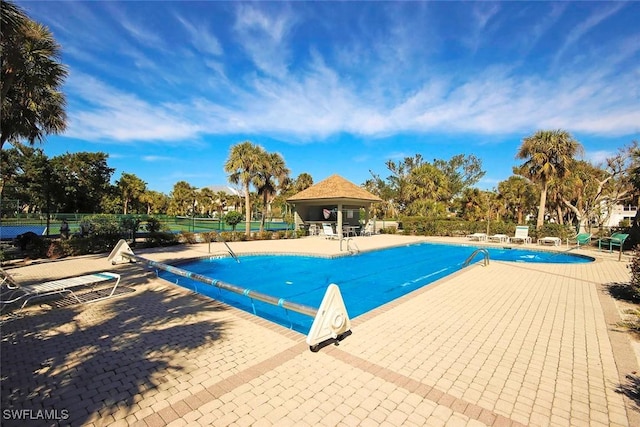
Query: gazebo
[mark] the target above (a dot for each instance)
(334, 200)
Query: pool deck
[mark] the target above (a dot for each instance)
(508, 344)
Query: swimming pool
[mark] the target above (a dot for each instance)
(366, 280)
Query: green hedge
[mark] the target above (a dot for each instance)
(456, 227)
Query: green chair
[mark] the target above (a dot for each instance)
(580, 239)
(616, 239)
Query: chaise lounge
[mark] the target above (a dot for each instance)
(327, 229)
(549, 240)
(481, 237)
(28, 292)
(521, 235)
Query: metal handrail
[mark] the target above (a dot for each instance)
(351, 241)
(477, 251)
(279, 302)
(220, 239)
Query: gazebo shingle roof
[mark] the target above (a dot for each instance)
(334, 187)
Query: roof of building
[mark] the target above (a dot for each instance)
(334, 187)
(224, 188)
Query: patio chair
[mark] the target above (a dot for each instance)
(616, 239)
(28, 292)
(521, 235)
(580, 239)
(481, 237)
(328, 231)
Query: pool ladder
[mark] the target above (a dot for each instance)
(350, 241)
(233, 254)
(476, 252)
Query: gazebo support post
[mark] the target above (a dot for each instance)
(339, 224)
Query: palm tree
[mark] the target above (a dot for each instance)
(32, 104)
(243, 165)
(270, 177)
(547, 155)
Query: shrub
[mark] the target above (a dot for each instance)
(263, 235)
(101, 224)
(154, 225)
(161, 238)
(227, 236)
(188, 237)
(233, 218)
(32, 245)
(209, 236)
(635, 272)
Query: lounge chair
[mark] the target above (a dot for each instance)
(549, 240)
(522, 234)
(367, 230)
(480, 237)
(328, 232)
(28, 292)
(500, 238)
(616, 239)
(579, 239)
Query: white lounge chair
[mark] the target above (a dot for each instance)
(481, 237)
(29, 292)
(522, 234)
(500, 238)
(555, 241)
(367, 230)
(327, 229)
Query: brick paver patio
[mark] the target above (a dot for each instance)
(507, 344)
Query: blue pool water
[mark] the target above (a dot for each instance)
(367, 280)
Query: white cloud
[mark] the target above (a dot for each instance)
(153, 159)
(105, 113)
(599, 157)
(263, 37)
(319, 98)
(577, 32)
(202, 38)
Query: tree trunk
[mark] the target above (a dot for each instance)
(247, 210)
(560, 215)
(543, 204)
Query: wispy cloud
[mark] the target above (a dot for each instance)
(376, 86)
(593, 20)
(201, 37)
(154, 159)
(101, 112)
(599, 157)
(263, 36)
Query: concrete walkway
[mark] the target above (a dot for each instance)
(507, 344)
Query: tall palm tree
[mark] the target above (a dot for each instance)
(547, 155)
(270, 177)
(244, 162)
(32, 104)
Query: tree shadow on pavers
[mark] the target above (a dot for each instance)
(631, 389)
(81, 361)
(622, 291)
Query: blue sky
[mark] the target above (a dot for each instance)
(166, 88)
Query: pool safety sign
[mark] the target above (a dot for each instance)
(331, 320)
